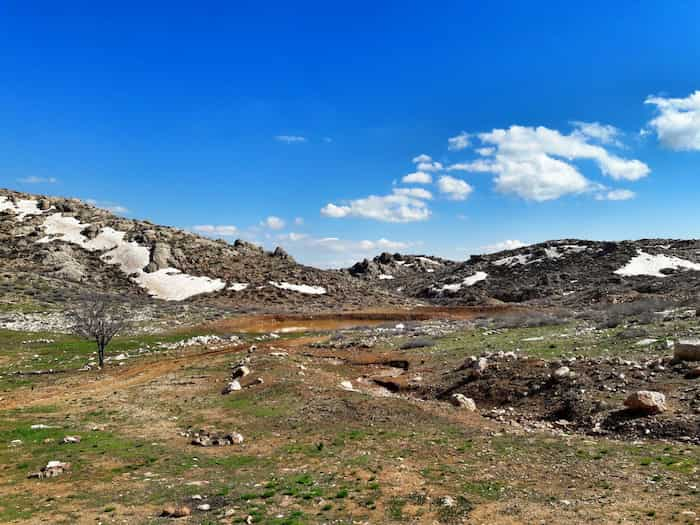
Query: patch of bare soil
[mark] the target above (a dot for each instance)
(586, 395)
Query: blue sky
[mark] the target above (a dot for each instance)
(567, 121)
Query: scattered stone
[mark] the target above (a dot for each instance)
(647, 402)
(239, 371)
(204, 438)
(687, 350)
(462, 401)
(71, 439)
(231, 387)
(176, 511)
(562, 372)
(347, 385)
(51, 470)
(204, 507)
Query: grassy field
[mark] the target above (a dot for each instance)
(313, 452)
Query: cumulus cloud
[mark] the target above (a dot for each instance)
(290, 139)
(536, 163)
(218, 230)
(509, 244)
(677, 124)
(422, 158)
(616, 195)
(418, 193)
(38, 180)
(429, 166)
(399, 206)
(425, 163)
(274, 223)
(458, 142)
(454, 189)
(337, 252)
(603, 133)
(419, 177)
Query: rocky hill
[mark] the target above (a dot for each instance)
(399, 272)
(568, 272)
(55, 249)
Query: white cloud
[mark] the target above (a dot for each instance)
(455, 189)
(616, 195)
(418, 193)
(108, 206)
(425, 163)
(458, 142)
(336, 252)
(419, 177)
(429, 166)
(290, 139)
(396, 207)
(292, 236)
(222, 230)
(274, 223)
(509, 244)
(299, 221)
(678, 123)
(536, 163)
(38, 180)
(422, 158)
(603, 133)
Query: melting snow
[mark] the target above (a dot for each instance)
(22, 208)
(385, 276)
(301, 288)
(648, 264)
(469, 281)
(169, 284)
(238, 287)
(513, 260)
(428, 261)
(552, 253)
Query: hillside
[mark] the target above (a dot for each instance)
(570, 272)
(53, 249)
(564, 272)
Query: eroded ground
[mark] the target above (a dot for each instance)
(352, 423)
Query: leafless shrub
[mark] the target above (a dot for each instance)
(99, 318)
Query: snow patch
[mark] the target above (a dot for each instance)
(385, 277)
(469, 281)
(429, 261)
(301, 288)
(648, 264)
(513, 260)
(238, 287)
(23, 208)
(169, 284)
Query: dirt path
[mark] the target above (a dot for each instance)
(138, 373)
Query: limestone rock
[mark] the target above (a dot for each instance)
(647, 402)
(462, 401)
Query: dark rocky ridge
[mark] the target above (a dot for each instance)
(568, 272)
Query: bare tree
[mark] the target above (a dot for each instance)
(99, 318)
